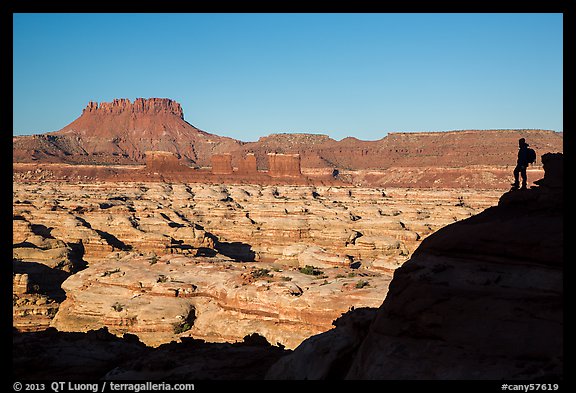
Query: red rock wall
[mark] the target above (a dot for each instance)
(222, 164)
(284, 165)
(162, 161)
(247, 165)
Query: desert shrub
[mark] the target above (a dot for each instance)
(110, 272)
(260, 273)
(181, 327)
(162, 278)
(310, 270)
(362, 284)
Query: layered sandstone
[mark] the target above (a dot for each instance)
(355, 236)
(376, 227)
(162, 299)
(222, 164)
(448, 149)
(475, 301)
(247, 165)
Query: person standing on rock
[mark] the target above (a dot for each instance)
(521, 165)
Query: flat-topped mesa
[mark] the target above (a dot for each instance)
(140, 105)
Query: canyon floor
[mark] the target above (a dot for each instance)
(215, 262)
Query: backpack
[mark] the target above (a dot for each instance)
(531, 156)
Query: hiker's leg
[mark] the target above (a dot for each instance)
(516, 175)
(524, 177)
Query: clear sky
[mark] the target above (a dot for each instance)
(250, 75)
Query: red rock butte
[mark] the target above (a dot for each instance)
(120, 132)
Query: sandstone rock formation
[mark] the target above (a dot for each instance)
(245, 222)
(141, 105)
(162, 299)
(479, 299)
(222, 164)
(122, 132)
(162, 161)
(247, 165)
(281, 165)
(354, 236)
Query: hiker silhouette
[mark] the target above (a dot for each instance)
(521, 165)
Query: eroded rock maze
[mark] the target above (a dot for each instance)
(216, 262)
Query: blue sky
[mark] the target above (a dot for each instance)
(250, 75)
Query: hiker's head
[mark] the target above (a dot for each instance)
(522, 142)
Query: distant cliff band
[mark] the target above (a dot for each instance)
(279, 165)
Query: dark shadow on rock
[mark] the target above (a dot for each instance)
(355, 265)
(42, 278)
(25, 244)
(42, 230)
(98, 354)
(240, 252)
(77, 256)
(327, 356)
(205, 252)
(114, 241)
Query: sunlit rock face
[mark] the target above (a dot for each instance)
(242, 247)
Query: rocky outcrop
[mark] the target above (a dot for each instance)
(284, 165)
(479, 299)
(247, 165)
(447, 149)
(213, 298)
(36, 295)
(162, 161)
(222, 164)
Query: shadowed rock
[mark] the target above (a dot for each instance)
(97, 355)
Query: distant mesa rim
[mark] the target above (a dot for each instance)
(140, 105)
